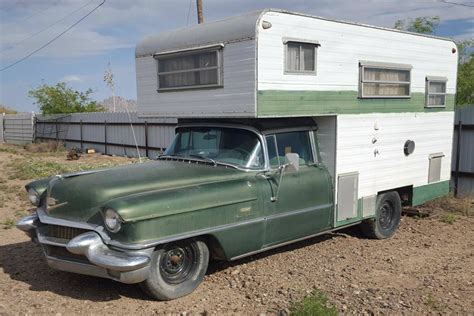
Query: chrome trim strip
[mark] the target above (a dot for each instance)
(139, 246)
(45, 219)
(211, 229)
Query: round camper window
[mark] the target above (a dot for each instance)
(409, 147)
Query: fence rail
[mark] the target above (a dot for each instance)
(17, 128)
(110, 133)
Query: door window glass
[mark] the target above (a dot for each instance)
(294, 142)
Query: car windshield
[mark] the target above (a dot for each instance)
(234, 146)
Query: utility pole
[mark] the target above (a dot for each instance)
(199, 11)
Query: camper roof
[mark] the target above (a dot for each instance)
(231, 29)
(220, 32)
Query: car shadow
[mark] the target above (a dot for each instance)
(24, 262)
(353, 231)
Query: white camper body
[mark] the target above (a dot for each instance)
(383, 99)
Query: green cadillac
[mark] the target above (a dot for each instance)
(222, 191)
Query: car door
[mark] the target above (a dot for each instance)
(302, 201)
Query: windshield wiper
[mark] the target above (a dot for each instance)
(194, 157)
(170, 156)
(204, 158)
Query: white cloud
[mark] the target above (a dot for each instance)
(121, 23)
(72, 78)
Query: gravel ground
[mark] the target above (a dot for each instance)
(427, 267)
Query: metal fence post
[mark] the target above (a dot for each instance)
(458, 158)
(80, 132)
(146, 139)
(105, 137)
(57, 132)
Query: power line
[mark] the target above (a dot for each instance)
(53, 39)
(457, 3)
(52, 24)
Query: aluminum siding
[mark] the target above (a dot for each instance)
(235, 99)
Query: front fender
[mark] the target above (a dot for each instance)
(163, 214)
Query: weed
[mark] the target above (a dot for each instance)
(448, 218)
(8, 223)
(315, 304)
(433, 304)
(45, 147)
(34, 168)
(8, 149)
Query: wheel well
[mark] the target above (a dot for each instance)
(215, 248)
(405, 193)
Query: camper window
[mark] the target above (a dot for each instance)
(384, 80)
(436, 91)
(185, 70)
(300, 57)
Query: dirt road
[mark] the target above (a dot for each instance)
(428, 266)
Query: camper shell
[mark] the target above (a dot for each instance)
(371, 139)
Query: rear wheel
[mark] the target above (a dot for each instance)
(177, 270)
(387, 217)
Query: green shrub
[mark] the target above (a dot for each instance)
(313, 305)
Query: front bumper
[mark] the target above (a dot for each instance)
(87, 254)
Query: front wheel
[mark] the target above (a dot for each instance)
(387, 217)
(177, 270)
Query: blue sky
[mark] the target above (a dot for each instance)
(81, 56)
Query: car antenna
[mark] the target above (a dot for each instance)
(109, 80)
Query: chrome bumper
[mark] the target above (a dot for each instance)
(102, 261)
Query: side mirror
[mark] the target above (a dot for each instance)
(292, 162)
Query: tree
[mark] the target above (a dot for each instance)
(465, 80)
(465, 87)
(6, 110)
(422, 24)
(62, 99)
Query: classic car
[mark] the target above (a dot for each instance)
(220, 191)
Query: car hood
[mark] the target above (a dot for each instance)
(81, 196)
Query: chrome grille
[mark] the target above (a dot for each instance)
(62, 253)
(64, 232)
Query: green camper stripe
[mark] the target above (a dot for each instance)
(429, 192)
(302, 103)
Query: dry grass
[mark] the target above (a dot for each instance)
(447, 209)
(450, 204)
(45, 147)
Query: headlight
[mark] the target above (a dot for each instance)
(112, 220)
(33, 196)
